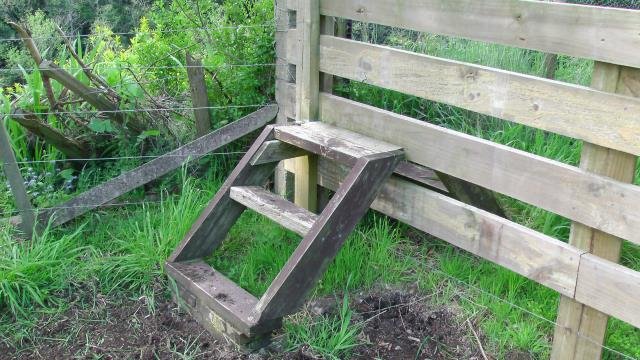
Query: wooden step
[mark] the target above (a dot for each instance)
(275, 208)
(332, 142)
(234, 306)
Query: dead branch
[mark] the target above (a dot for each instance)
(35, 54)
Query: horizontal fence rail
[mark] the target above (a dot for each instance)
(596, 33)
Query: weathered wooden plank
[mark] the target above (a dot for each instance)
(155, 168)
(562, 108)
(215, 221)
(541, 258)
(70, 147)
(16, 183)
(581, 329)
(275, 208)
(230, 302)
(199, 97)
(275, 151)
(610, 288)
(90, 95)
(594, 200)
(308, 78)
(318, 248)
(332, 142)
(603, 34)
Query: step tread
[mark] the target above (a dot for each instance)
(332, 142)
(231, 302)
(275, 208)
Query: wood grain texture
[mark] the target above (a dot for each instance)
(541, 258)
(199, 97)
(308, 86)
(16, 183)
(581, 330)
(610, 288)
(275, 151)
(319, 247)
(598, 201)
(603, 34)
(274, 207)
(562, 108)
(332, 142)
(155, 168)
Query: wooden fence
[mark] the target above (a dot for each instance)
(597, 196)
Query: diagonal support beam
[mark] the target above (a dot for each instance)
(316, 250)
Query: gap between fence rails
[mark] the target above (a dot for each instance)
(126, 157)
(16, 212)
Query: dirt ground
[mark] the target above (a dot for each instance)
(398, 325)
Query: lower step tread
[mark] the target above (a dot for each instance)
(231, 302)
(275, 208)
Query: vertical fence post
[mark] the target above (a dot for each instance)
(581, 330)
(200, 99)
(307, 99)
(16, 182)
(283, 180)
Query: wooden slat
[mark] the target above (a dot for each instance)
(562, 108)
(594, 200)
(610, 288)
(16, 183)
(274, 151)
(155, 168)
(275, 208)
(573, 317)
(603, 34)
(538, 257)
(332, 142)
(319, 247)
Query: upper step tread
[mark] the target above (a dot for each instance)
(274, 207)
(228, 300)
(333, 142)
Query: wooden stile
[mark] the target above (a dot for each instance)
(581, 329)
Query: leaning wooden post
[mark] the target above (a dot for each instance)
(199, 96)
(307, 100)
(16, 182)
(580, 330)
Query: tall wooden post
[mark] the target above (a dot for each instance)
(307, 99)
(16, 182)
(199, 96)
(581, 330)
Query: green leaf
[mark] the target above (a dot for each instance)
(66, 174)
(101, 126)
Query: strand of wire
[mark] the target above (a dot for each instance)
(130, 203)
(168, 31)
(152, 109)
(145, 68)
(134, 157)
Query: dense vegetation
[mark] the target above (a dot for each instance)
(138, 48)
